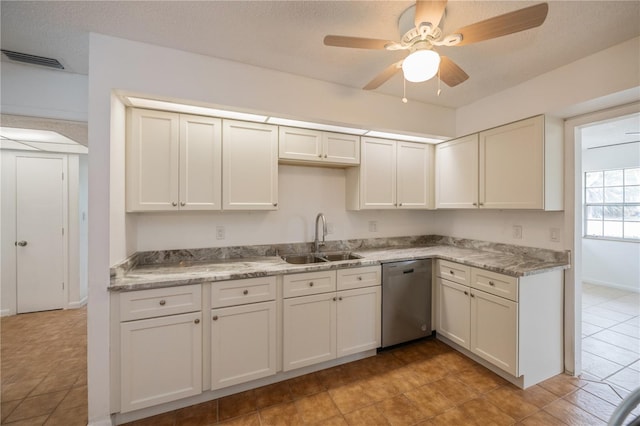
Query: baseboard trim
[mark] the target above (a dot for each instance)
(5, 312)
(102, 421)
(79, 304)
(612, 285)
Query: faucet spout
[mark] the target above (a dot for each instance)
(316, 242)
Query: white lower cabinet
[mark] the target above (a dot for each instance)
(243, 343)
(331, 324)
(513, 323)
(161, 360)
(243, 331)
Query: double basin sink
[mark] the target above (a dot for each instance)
(300, 259)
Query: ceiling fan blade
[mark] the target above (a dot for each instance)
(430, 11)
(356, 42)
(385, 75)
(509, 23)
(450, 73)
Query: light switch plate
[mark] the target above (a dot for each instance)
(220, 233)
(517, 232)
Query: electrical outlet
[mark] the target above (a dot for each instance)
(329, 228)
(517, 232)
(554, 235)
(373, 226)
(220, 232)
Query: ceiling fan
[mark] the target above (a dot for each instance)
(423, 62)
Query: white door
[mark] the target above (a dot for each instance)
(39, 234)
(378, 174)
(413, 175)
(453, 316)
(359, 313)
(457, 173)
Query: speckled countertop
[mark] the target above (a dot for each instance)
(172, 268)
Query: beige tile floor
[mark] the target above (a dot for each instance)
(427, 383)
(611, 335)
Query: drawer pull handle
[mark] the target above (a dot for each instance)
(310, 283)
(245, 292)
(215, 318)
(163, 302)
(197, 320)
(359, 278)
(491, 283)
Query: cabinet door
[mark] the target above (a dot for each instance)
(358, 320)
(152, 160)
(452, 317)
(300, 144)
(494, 325)
(243, 343)
(309, 334)
(378, 174)
(200, 163)
(250, 166)
(413, 168)
(340, 148)
(161, 360)
(512, 165)
(457, 173)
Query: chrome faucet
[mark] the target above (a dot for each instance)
(316, 242)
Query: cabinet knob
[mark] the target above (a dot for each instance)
(215, 318)
(451, 272)
(475, 204)
(319, 155)
(275, 204)
(174, 204)
(163, 302)
(182, 203)
(339, 298)
(21, 243)
(197, 320)
(359, 278)
(491, 283)
(473, 295)
(334, 299)
(466, 293)
(310, 283)
(400, 204)
(245, 292)
(325, 156)
(481, 204)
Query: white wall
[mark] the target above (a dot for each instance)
(40, 92)
(83, 213)
(611, 263)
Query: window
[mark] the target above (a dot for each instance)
(612, 204)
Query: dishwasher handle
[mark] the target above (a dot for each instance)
(408, 271)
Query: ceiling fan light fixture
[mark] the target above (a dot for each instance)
(421, 65)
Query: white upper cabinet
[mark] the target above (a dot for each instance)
(391, 175)
(321, 148)
(515, 166)
(250, 166)
(457, 173)
(173, 161)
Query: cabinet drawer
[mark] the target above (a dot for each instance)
(308, 283)
(454, 272)
(358, 277)
(240, 292)
(494, 283)
(159, 302)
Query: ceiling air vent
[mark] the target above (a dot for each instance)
(33, 59)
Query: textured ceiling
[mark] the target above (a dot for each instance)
(287, 36)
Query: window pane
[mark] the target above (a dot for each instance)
(632, 213)
(613, 178)
(613, 195)
(632, 230)
(632, 194)
(594, 212)
(595, 195)
(613, 229)
(632, 177)
(613, 212)
(593, 179)
(594, 228)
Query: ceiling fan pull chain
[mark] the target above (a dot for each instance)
(404, 90)
(439, 80)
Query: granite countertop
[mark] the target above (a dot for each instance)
(515, 262)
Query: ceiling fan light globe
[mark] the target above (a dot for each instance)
(421, 65)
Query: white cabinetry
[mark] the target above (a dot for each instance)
(324, 324)
(250, 172)
(515, 166)
(173, 161)
(243, 331)
(321, 148)
(497, 318)
(161, 349)
(391, 175)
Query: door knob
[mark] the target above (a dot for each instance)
(21, 243)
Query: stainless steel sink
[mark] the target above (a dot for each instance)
(334, 257)
(300, 259)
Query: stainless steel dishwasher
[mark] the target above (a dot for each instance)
(406, 301)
